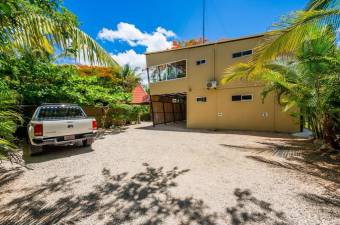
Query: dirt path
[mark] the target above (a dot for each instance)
(170, 175)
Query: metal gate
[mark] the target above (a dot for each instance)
(168, 108)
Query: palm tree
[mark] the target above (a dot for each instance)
(38, 27)
(21, 27)
(130, 76)
(288, 35)
(309, 81)
(293, 34)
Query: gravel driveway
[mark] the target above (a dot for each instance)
(170, 175)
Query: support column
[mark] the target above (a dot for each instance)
(164, 113)
(150, 99)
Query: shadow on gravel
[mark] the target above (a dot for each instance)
(56, 152)
(7, 176)
(250, 210)
(330, 202)
(325, 171)
(32, 208)
(284, 148)
(143, 198)
(299, 155)
(102, 133)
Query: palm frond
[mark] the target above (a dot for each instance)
(292, 33)
(240, 70)
(9, 119)
(38, 31)
(321, 4)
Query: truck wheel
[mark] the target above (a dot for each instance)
(30, 150)
(88, 142)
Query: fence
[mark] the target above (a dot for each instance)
(103, 115)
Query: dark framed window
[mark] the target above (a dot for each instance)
(237, 54)
(201, 99)
(201, 62)
(59, 112)
(247, 97)
(242, 53)
(248, 52)
(238, 98)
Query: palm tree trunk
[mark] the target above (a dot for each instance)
(329, 132)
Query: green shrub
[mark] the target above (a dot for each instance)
(125, 113)
(9, 119)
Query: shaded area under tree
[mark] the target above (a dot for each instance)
(143, 198)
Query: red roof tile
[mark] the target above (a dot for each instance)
(139, 95)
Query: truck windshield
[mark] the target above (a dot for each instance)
(60, 112)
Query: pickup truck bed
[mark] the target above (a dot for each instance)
(60, 124)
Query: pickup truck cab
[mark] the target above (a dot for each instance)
(59, 124)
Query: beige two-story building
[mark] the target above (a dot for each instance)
(185, 85)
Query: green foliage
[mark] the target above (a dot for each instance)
(38, 80)
(9, 119)
(128, 76)
(309, 81)
(321, 4)
(308, 77)
(30, 30)
(293, 30)
(42, 25)
(124, 113)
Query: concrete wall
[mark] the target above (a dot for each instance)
(219, 112)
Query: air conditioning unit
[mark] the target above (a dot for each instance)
(212, 84)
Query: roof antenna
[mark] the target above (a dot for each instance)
(203, 22)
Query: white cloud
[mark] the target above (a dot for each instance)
(130, 57)
(155, 41)
(167, 33)
(158, 40)
(134, 59)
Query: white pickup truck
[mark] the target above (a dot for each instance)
(59, 124)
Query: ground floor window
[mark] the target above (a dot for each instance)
(201, 99)
(239, 98)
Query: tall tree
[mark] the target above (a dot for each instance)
(46, 25)
(37, 28)
(130, 77)
(309, 81)
(315, 85)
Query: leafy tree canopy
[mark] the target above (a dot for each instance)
(44, 25)
(38, 80)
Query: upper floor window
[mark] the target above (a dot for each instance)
(201, 62)
(169, 71)
(243, 53)
(239, 98)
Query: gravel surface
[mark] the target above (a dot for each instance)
(168, 175)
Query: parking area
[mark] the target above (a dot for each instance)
(171, 175)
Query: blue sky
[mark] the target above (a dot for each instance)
(153, 24)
